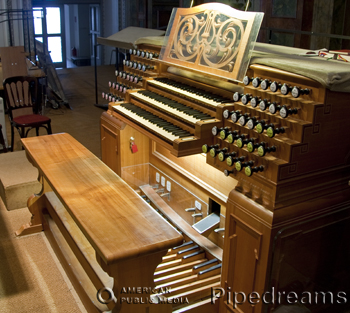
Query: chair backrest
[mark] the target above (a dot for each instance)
(21, 95)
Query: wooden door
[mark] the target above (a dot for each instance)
(284, 20)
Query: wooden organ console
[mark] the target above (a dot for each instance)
(269, 156)
(253, 174)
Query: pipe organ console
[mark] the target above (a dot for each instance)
(254, 174)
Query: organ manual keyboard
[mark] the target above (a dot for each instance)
(248, 159)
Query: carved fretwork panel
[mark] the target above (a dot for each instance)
(212, 38)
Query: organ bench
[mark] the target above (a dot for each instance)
(92, 218)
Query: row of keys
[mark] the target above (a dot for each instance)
(154, 123)
(275, 86)
(138, 65)
(144, 54)
(128, 76)
(273, 107)
(171, 106)
(232, 160)
(189, 91)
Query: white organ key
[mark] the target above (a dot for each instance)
(146, 123)
(184, 92)
(169, 109)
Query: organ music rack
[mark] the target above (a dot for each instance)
(284, 202)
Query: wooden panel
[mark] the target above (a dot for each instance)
(143, 145)
(13, 62)
(110, 144)
(244, 253)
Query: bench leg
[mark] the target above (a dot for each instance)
(35, 205)
(133, 282)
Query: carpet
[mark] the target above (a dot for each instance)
(31, 277)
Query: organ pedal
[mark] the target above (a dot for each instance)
(186, 274)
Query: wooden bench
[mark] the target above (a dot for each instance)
(101, 229)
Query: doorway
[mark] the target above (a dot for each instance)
(48, 30)
(95, 32)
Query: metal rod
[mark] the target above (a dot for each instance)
(10, 29)
(95, 59)
(247, 5)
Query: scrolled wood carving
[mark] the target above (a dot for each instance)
(211, 37)
(208, 38)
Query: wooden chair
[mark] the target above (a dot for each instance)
(23, 101)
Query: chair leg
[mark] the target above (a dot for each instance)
(12, 138)
(49, 131)
(23, 134)
(37, 131)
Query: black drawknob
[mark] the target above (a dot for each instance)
(264, 104)
(239, 165)
(206, 148)
(285, 89)
(214, 152)
(232, 136)
(274, 107)
(250, 170)
(256, 82)
(224, 132)
(262, 149)
(275, 86)
(285, 111)
(265, 84)
(223, 156)
(237, 96)
(261, 126)
(255, 101)
(251, 146)
(246, 98)
(247, 80)
(231, 160)
(271, 131)
(297, 91)
(252, 121)
(228, 172)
